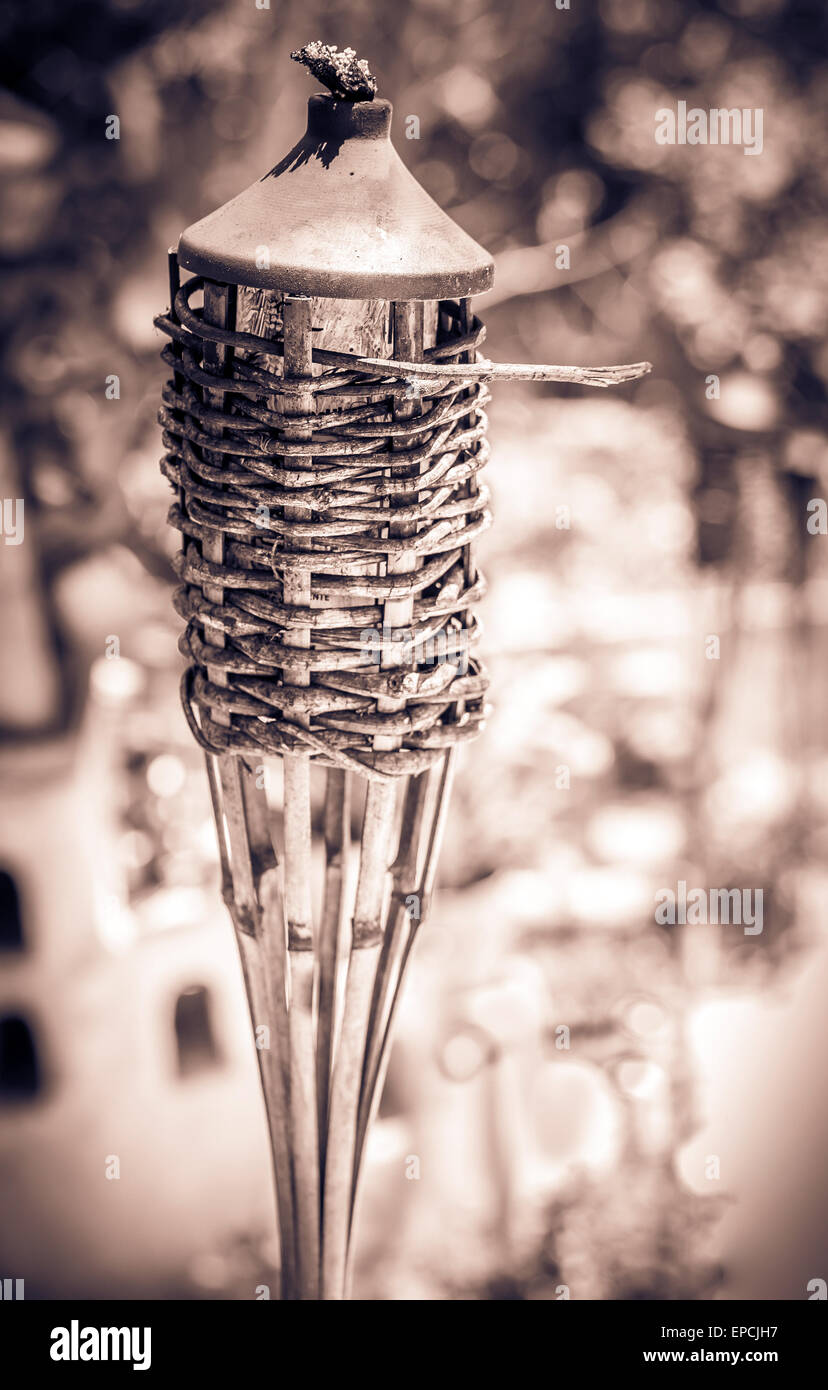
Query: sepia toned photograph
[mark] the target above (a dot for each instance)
(414, 667)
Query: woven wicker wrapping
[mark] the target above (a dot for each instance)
(355, 473)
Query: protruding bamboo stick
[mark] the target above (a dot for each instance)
(484, 370)
(297, 830)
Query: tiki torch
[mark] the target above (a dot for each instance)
(325, 433)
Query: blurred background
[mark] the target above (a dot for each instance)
(598, 1107)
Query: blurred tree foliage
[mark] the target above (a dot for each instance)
(536, 128)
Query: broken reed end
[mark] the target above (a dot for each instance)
(347, 77)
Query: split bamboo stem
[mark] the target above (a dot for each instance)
(298, 364)
(231, 813)
(408, 335)
(369, 912)
(337, 832)
(403, 924)
(406, 926)
(404, 885)
(366, 939)
(264, 962)
(408, 344)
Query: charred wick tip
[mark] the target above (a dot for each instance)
(347, 77)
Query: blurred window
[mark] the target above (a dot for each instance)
(20, 1074)
(11, 922)
(195, 1040)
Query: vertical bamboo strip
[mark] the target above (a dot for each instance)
(219, 308)
(407, 321)
(298, 363)
(267, 956)
(404, 883)
(408, 317)
(337, 831)
(366, 938)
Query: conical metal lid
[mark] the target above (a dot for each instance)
(339, 216)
